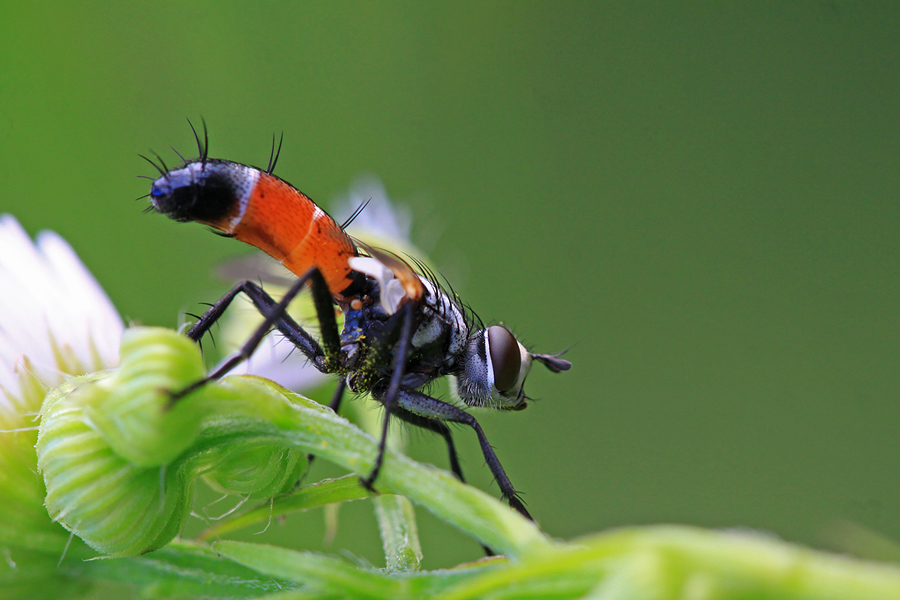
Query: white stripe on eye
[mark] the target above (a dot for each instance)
(487, 358)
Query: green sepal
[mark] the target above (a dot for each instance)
(133, 408)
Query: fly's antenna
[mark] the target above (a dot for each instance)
(553, 361)
(355, 214)
(274, 154)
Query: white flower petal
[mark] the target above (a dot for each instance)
(95, 317)
(382, 220)
(50, 304)
(278, 360)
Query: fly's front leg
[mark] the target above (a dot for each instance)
(432, 408)
(275, 315)
(439, 428)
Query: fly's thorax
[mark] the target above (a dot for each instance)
(436, 345)
(441, 328)
(493, 370)
(443, 324)
(364, 329)
(357, 331)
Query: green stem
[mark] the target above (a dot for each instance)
(313, 428)
(399, 534)
(119, 460)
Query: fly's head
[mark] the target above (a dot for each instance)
(495, 365)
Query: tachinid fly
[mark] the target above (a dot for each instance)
(401, 330)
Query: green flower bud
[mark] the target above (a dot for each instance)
(118, 463)
(117, 507)
(257, 470)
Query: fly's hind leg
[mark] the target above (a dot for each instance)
(275, 315)
(264, 303)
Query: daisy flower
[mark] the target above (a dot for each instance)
(55, 319)
(55, 322)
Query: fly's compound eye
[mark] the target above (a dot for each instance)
(494, 369)
(506, 358)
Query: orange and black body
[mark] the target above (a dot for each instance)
(262, 210)
(401, 331)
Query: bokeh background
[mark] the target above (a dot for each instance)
(700, 200)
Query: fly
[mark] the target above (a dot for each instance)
(401, 330)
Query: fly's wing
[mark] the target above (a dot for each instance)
(256, 267)
(401, 270)
(397, 280)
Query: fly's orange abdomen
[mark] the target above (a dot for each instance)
(286, 224)
(261, 210)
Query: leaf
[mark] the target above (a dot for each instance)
(186, 569)
(319, 572)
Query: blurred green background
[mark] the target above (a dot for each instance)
(702, 200)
